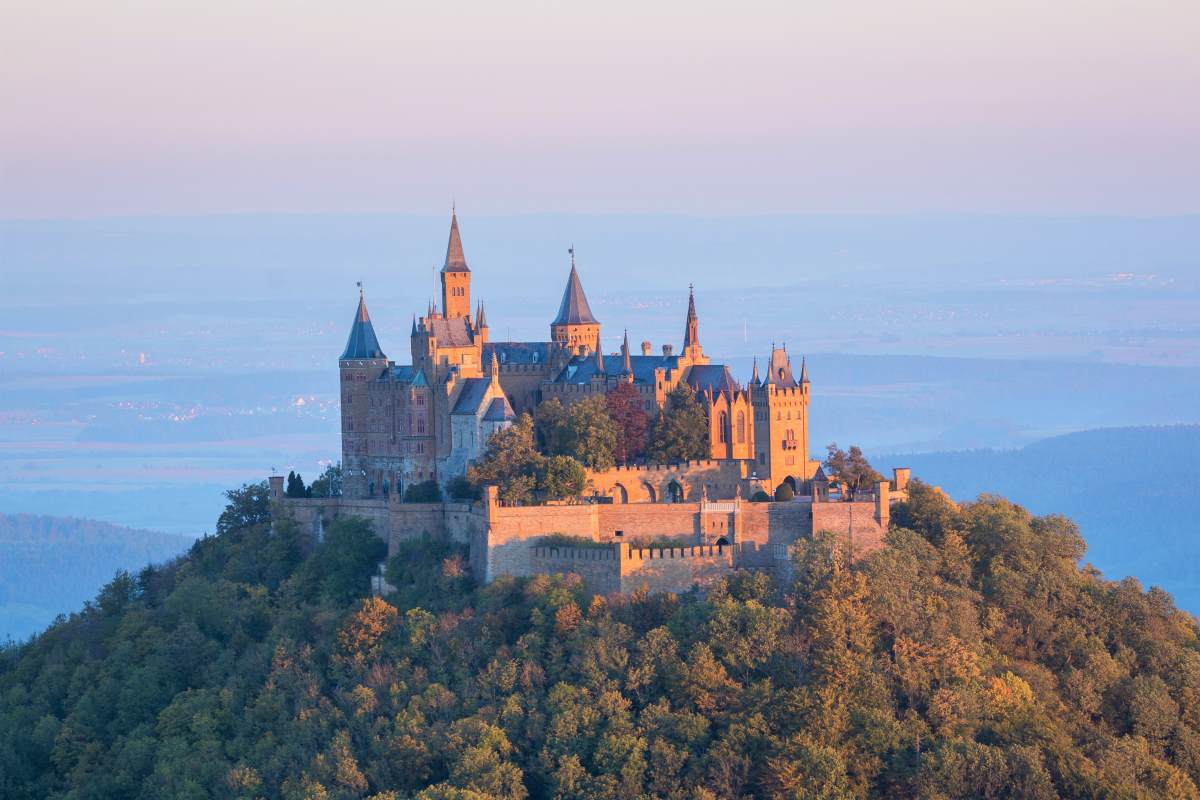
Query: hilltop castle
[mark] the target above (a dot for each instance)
(428, 420)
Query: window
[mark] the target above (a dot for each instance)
(741, 427)
(724, 426)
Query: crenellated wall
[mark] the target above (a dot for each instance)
(721, 479)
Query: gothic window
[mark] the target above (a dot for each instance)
(724, 426)
(420, 423)
(741, 428)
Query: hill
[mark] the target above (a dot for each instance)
(972, 658)
(51, 565)
(1131, 490)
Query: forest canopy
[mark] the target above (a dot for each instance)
(971, 658)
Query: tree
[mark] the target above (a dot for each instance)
(423, 492)
(681, 432)
(626, 409)
(851, 468)
(249, 505)
(460, 487)
(341, 567)
(510, 462)
(560, 477)
(329, 484)
(552, 428)
(295, 486)
(784, 492)
(593, 434)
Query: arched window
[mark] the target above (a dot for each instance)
(724, 427)
(741, 427)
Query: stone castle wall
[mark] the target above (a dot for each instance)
(673, 569)
(652, 483)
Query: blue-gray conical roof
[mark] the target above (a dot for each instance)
(362, 342)
(574, 309)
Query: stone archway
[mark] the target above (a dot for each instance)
(791, 481)
(722, 542)
(653, 495)
(675, 491)
(619, 494)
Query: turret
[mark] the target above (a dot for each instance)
(361, 361)
(575, 328)
(481, 326)
(456, 276)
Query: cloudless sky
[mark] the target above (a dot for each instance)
(182, 106)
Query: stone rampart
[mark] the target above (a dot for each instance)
(599, 567)
(673, 569)
(652, 483)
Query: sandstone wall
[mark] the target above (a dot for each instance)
(856, 519)
(673, 569)
(600, 568)
(651, 483)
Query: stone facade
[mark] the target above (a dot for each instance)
(427, 420)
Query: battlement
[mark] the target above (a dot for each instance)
(575, 553)
(635, 553)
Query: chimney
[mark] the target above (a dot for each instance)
(668, 349)
(646, 347)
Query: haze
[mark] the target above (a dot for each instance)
(713, 108)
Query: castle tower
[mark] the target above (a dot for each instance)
(456, 276)
(361, 362)
(575, 328)
(691, 334)
(781, 422)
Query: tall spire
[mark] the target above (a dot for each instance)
(691, 334)
(803, 370)
(362, 342)
(754, 376)
(413, 332)
(455, 260)
(626, 360)
(599, 357)
(480, 317)
(495, 376)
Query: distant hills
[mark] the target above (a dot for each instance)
(51, 565)
(1133, 491)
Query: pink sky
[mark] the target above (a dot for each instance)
(697, 107)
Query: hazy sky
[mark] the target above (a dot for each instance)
(179, 106)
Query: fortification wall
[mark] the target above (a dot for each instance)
(599, 567)
(673, 569)
(645, 521)
(502, 545)
(392, 521)
(767, 529)
(652, 483)
(857, 519)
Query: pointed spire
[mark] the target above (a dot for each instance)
(362, 342)
(626, 360)
(495, 369)
(691, 334)
(804, 370)
(599, 357)
(754, 375)
(480, 317)
(455, 260)
(574, 308)
(413, 332)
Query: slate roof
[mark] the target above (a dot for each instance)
(470, 398)
(451, 332)
(403, 373)
(581, 369)
(715, 378)
(499, 410)
(362, 342)
(455, 260)
(574, 308)
(779, 370)
(518, 352)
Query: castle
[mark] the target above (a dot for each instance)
(428, 420)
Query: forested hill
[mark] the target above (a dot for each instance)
(972, 658)
(51, 565)
(1132, 491)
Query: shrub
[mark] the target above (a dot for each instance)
(424, 492)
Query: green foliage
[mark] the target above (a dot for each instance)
(247, 506)
(971, 658)
(423, 492)
(584, 431)
(295, 486)
(329, 484)
(760, 497)
(681, 432)
(851, 468)
(784, 493)
(560, 477)
(522, 474)
(460, 487)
